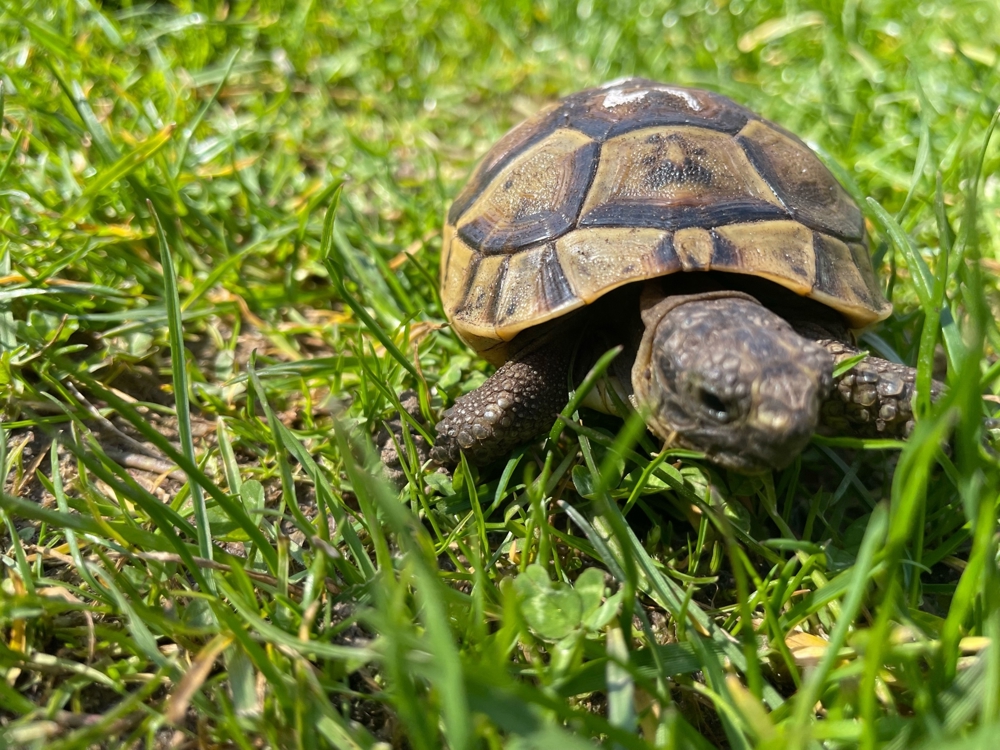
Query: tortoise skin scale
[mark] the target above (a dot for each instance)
(635, 180)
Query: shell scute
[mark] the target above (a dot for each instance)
(534, 287)
(676, 177)
(694, 247)
(778, 250)
(456, 264)
(598, 260)
(811, 193)
(622, 106)
(517, 139)
(476, 309)
(841, 283)
(535, 198)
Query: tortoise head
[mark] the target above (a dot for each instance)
(721, 373)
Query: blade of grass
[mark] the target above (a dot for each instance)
(805, 700)
(336, 275)
(233, 509)
(580, 393)
(189, 130)
(182, 405)
(923, 279)
(919, 165)
(410, 535)
(281, 450)
(119, 170)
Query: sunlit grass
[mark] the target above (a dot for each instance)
(219, 236)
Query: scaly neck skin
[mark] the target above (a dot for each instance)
(720, 373)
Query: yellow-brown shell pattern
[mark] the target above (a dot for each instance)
(637, 179)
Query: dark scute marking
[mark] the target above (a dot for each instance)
(762, 163)
(806, 199)
(470, 276)
(594, 163)
(491, 312)
(447, 263)
(666, 255)
(485, 236)
(554, 284)
(826, 269)
(462, 202)
(493, 163)
(798, 270)
(863, 260)
(661, 173)
(658, 216)
(724, 253)
(835, 272)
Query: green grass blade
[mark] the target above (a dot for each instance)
(119, 170)
(182, 404)
(805, 701)
(188, 466)
(923, 280)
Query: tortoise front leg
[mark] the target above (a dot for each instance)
(391, 436)
(872, 399)
(520, 400)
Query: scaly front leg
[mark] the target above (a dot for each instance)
(520, 401)
(872, 399)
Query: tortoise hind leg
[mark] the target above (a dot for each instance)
(873, 399)
(519, 401)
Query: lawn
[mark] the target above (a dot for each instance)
(220, 225)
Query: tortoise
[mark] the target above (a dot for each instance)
(710, 244)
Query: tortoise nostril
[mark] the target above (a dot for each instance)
(714, 405)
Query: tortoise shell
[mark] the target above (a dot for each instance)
(634, 180)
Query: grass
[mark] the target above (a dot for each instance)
(219, 235)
